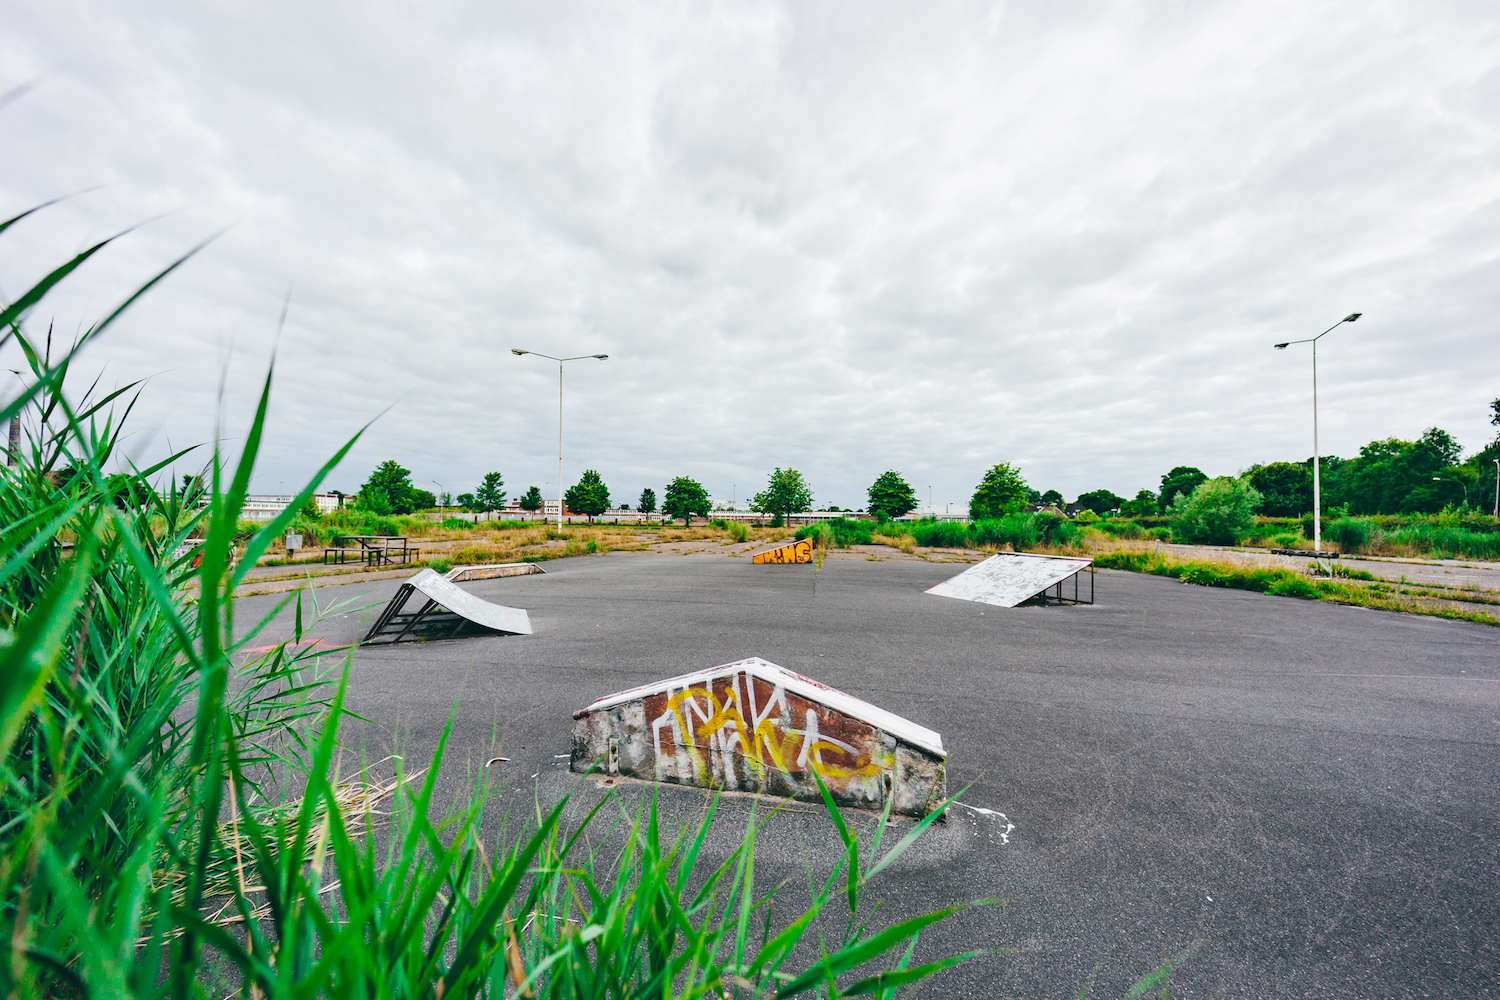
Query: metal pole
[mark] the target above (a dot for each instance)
(1317, 491)
(1497, 488)
(559, 447)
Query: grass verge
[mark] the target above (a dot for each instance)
(1368, 593)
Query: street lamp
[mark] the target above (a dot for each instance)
(1317, 490)
(518, 352)
(1497, 488)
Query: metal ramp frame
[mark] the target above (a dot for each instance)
(1056, 596)
(447, 613)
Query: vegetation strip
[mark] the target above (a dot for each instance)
(1290, 583)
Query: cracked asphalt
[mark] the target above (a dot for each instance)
(1288, 798)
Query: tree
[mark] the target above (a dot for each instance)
(491, 492)
(1183, 479)
(1144, 505)
(467, 501)
(532, 499)
(589, 495)
(786, 493)
(445, 499)
(1052, 496)
(647, 504)
(373, 500)
(1000, 491)
(1285, 488)
(891, 496)
(422, 500)
(683, 498)
(1218, 512)
(1402, 477)
(1100, 501)
(394, 484)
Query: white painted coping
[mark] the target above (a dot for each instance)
(806, 687)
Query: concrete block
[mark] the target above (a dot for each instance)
(463, 574)
(798, 550)
(753, 726)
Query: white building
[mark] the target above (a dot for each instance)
(265, 507)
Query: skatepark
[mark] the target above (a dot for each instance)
(1281, 797)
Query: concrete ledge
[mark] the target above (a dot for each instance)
(461, 574)
(752, 726)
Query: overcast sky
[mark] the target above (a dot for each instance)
(843, 237)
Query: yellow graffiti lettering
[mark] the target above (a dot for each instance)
(815, 757)
(762, 747)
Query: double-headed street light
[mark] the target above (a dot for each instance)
(518, 352)
(1317, 491)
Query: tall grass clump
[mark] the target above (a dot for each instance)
(738, 531)
(1440, 542)
(1352, 534)
(173, 818)
(838, 532)
(941, 534)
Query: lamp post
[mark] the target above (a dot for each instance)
(1497, 488)
(1460, 482)
(13, 453)
(1317, 490)
(560, 361)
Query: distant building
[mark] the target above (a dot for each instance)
(548, 508)
(265, 508)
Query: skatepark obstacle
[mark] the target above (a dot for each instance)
(447, 613)
(1011, 578)
(798, 550)
(753, 726)
(462, 574)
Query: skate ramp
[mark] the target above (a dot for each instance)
(1011, 578)
(443, 611)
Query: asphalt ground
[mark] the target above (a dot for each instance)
(1292, 799)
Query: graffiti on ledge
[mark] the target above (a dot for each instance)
(796, 551)
(743, 729)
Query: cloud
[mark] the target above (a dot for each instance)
(843, 237)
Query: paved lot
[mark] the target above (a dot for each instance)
(1300, 794)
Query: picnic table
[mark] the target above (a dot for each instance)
(374, 550)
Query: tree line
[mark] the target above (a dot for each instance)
(1389, 476)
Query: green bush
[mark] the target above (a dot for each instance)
(1218, 512)
(457, 524)
(1019, 531)
(941, 534)
(439, 565)
(1351, 534)
(840, 532)
(351, 521)
(739, 531)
